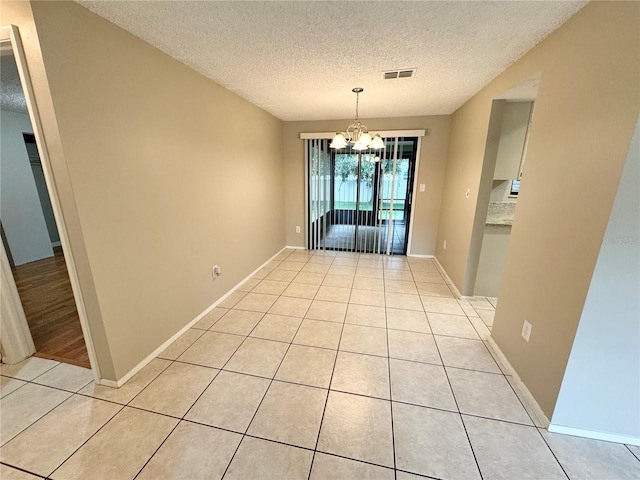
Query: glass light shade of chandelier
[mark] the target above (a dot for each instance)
(357, 134)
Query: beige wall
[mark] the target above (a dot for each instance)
(433, 156)
(165, 181)
(586, 108)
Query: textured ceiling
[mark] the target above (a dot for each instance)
(300, 59)
(11, 97)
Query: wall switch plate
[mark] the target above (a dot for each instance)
(526, 330)
(444, 245)
(422, 187)
(297, 228)
(217, 271)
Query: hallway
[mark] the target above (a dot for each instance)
(323, 365)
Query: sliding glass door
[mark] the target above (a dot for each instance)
(360, 201)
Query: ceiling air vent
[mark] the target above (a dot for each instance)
(403, 73)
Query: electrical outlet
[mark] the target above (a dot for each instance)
(297, 228)
(217, 271)
(444, 245)
(526, 330)
(422, 187)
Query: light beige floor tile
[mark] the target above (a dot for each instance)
(258, 459)
(586, 458)
(407, 476)
(237, 322)
(333, 294)
(408, 320)
(290, 414)
(317, 333)
(277, 327)
(432, 442)
(366, 315)
(274, 264)
(434, 289)
(212, 317)
(367, 297)
(212, 349)
(423, 266)
(481, 329)
(248, 285)
(301, 290)
(329, 311)
(309, 278)
(403, 275)
(232, 299)
(635, 450)
(282, 275)
(43, 447)
(493, 301)
(361, 374)
(343, 281)
(371, 261)
(308, 366)
(230, 401)
(120, 449)
(486, 395)
(258, 357)
(271, 287)
(294, 307)
(369, 272)
(465, 353)
(366, 283)
(320, 258)
(66, 377)
(256, 302)
(174, 390)
(428, 277)
(421, 384)
(367, 340)
(350, 418)
(341, 259)
(8, 473)
(481, 303)
(508, 451)
(345, 270)
(441, 305)
(8, 385)
(539, 420)
(292, 266)
(192, 452)
(418, 347)
(312, 267)
(400, 286)
(468, 310)
(28, 369)
(503, 368)
(452, 325)
(329, 467)
(404, 301)
(487, 317)
(177, 348)
(262, 273)
(131, 388)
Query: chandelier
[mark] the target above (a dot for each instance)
(357, 135)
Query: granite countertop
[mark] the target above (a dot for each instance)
(501, 213)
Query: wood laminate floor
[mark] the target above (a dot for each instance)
(47, 299)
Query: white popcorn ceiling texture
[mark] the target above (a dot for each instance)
(299, 60)
(11, 95)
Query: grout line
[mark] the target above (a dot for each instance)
(22, 470)
(386, 322)
(552, 452)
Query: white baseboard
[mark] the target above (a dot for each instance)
(466, 297)
(607, 437)
(294, 248)
(534, 408)
(160, 349)
(419, 256)
(56, 244)
(447, 279)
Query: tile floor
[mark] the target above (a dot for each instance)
(321, 366)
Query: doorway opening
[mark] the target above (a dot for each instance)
(360, 201)
(30, 233)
